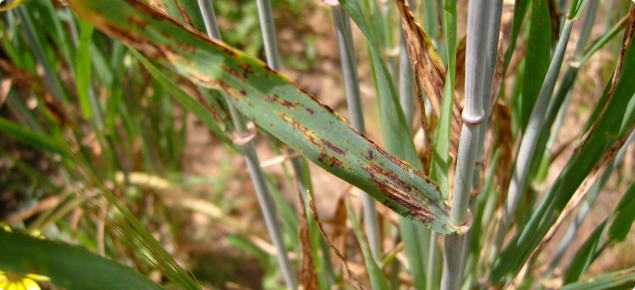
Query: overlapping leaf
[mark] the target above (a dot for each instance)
(275, 104)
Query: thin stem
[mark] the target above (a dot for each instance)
(356, 114)
(473, 115)
(251, 158)
(493, 35)
(268, 33)
(530, 140)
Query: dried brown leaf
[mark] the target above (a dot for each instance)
(348, 273)
(5, 87)
(499, 73)
(459, 75)
(503, 172)
(308, 278)
(429, 70)
(26, 81)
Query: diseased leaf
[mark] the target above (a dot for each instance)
(275, 104)
(429, 70)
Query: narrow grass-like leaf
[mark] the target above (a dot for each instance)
(520, 9)
(83, 70)
(31, 138)
(538, 55)
(623, 279)
(375, 274)
(283, 109)
(608, 127)
(58, 261)
(591, 248)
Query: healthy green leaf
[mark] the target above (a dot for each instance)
(67, 266)
(277, 105)
(624, 279)
(538, 55)
(31, 138)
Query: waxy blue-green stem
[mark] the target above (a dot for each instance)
(473, 114)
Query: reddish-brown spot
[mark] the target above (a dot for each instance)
(330, 160)
(333, 147)
(227, 50)
(187, 47)
(277, 99)
(233, 72)
(165, 34)
(310, 111)
(247, 69)
(138, 22)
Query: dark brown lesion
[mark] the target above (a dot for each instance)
(233, 72)
(138, 22)
(186, 47)
(330, 160)
(333, 147)
(184, 14)
(247, 70)
(276, 99)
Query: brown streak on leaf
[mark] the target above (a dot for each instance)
(347, 271)
(554, 17)
(184, 14)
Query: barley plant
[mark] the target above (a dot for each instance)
(472, 185)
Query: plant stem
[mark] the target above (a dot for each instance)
(251, 158)
(473, 115)
(530, 140)
(356, 114)
(493, 35)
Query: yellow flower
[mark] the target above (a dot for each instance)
(11, 281)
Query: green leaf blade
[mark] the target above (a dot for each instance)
(277, 105)
(68, 266)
